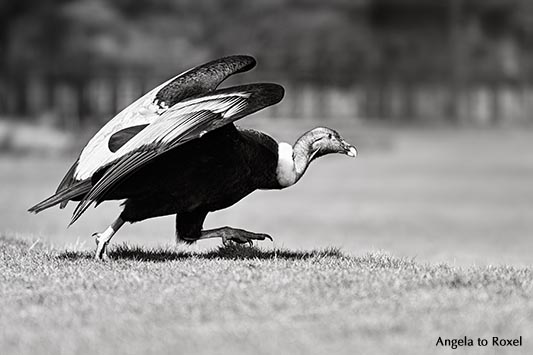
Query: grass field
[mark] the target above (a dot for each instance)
(240, 300)
(381, 254)
(446, 195)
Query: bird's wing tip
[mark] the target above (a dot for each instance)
(244, 61)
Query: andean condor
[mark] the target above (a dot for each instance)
(176, 151)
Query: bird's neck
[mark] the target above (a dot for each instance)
(293, 160)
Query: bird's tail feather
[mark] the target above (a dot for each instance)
(75, 190)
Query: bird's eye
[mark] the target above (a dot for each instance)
(330, 136)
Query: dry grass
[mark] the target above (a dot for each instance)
(241, 300)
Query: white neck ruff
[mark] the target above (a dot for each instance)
(286, 170)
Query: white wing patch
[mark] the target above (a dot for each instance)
(169, 126)
(143, 111)
(164, 126)
(214, 103)
(285, 171)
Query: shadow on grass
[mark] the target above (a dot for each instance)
(230, 252)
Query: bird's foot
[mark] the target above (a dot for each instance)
(240, 236)
(103, 239)
(101, 247)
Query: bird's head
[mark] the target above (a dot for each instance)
(325, 140)
(293, 161)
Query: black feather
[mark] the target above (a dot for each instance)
(121, 137)
(202, 79)
(75, 190)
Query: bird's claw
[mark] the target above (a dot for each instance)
(101, 248)
(225, 241)
(96, 237)
(247, 238)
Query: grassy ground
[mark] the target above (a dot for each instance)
(443, 195)
(436, 199)
(240, 300)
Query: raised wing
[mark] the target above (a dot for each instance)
(150, 107)
(181, 123)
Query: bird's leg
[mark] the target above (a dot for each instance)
(102, 239)
(229, 234)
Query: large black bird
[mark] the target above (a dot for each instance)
(176, 151)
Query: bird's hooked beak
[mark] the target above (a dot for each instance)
(349, 149)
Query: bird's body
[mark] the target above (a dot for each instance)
(176, 151)
(226, 167)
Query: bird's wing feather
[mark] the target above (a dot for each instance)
(121, 137)
(181, 123)
(150, 107)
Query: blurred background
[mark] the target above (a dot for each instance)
(436, 95)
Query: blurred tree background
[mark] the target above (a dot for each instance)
(462, 61)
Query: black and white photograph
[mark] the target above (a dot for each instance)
(266, 177)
